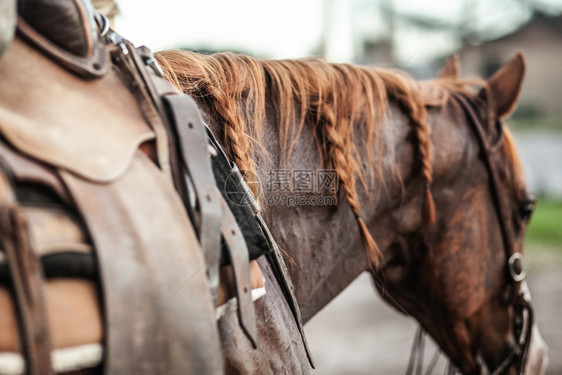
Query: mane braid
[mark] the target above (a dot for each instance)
(344, 105)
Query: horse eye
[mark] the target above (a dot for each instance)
(527, 207)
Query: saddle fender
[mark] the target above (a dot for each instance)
(78, 142)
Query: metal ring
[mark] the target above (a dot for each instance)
(515, 275)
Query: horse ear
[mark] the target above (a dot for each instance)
(451, 68)
(505, 85)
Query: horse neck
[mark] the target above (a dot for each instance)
(323, 247)
(322, 242)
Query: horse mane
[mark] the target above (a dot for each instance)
(344, 104)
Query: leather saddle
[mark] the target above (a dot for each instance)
(110, 218)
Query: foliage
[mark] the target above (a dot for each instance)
(524, 123)
(545, 228)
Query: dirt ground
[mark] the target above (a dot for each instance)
(358, 334)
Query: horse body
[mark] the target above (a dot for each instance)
(451, 274)
(409, 174)
(280, 349)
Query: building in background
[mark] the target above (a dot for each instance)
(540, 39)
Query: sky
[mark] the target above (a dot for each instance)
(277, 29)
(300, 28)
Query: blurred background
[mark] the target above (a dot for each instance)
(356, 333)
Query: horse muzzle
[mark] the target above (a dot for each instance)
(537, 358)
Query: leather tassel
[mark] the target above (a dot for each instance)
(369, 243)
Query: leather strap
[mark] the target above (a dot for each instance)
(523, 304)
(175, 116)
(240, 262)
(158, 311)
(27, 280)
(503, 215)
(192, 146)
(7, 23)
(282, 275)
(520, 298)
(274, 256)
(140, 84)
(153, 105)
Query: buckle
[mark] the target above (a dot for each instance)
(516, 267)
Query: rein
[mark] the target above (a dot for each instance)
(521, 298)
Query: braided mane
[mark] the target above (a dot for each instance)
(343, 104)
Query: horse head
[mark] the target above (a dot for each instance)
(462, 277)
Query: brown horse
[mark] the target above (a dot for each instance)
(418, 188)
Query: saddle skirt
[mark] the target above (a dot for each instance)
(96, 247)
(89, 128)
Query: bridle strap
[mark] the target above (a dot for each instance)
(524, 304)
(503, 215)
(520, 300)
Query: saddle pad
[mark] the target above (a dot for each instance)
(75, 317)
(53, 231)
(59, 118)
(73, 312)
